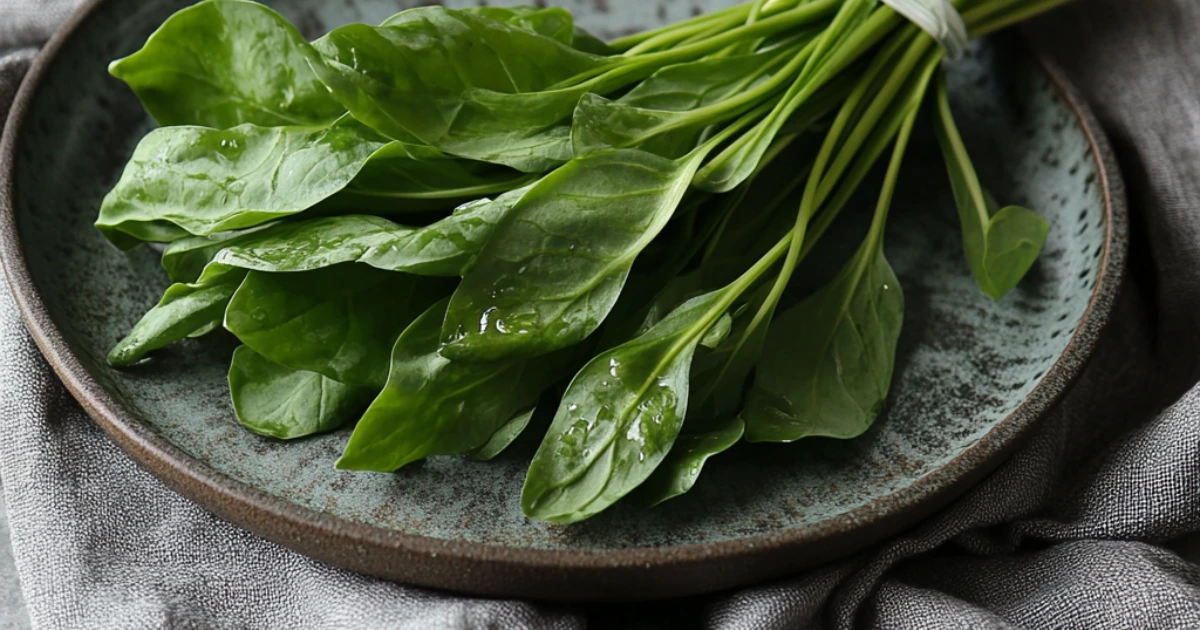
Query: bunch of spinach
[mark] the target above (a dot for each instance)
(422, 226)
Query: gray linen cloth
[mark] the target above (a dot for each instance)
(1095, 523)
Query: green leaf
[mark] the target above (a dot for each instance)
(827, 364)
(556, 264)
(443, 248)
(719, 375)
(279, 402)
(1000, 247)
(202, 181)
(737, 162)
(618, 419)
(185, 310)
(339, 321)
(404, 178)
(434, 406)
(468, 85)
(223, 63)
(503, 437)
(679, 471)
(666, 113)
(553, 22)
(185, 259)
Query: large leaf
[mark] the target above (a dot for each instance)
(827, 365)
(434, 406)
(339, 321)
(461, 82)
(223, 63)
(556, 264)
(279, 402)
(198, 180)
(618, 419)
(1001, 247)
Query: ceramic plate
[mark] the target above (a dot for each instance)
(972, 375)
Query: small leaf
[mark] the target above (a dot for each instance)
(185, 310)
(827, 365)
(224, 63)
(434, 406)
(660, 114)
(618, 419)
(279, 402)
(1001, 247)
(680, 470)
(557, 263)
(503, 437)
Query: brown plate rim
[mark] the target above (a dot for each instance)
(478, 568)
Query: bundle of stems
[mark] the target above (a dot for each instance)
(630, 213)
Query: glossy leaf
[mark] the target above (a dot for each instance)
(443, 248)
(666, 113)
(618, 419)
(679, 471)
(224, 63)
(1000, 247)
(556, 264)
(434, 406)
(185, 259)
(184, 310)
(827, 365)
(339, 321)
(397, 179)
(503, 437)
(279, 402)
(202, 181)
(737, 162)
(461, 82)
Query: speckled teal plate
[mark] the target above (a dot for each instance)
(972, 375)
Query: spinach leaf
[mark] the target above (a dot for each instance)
(201, 181)
(443, 248)
(556, 264)
(395, 180)
(665, 113)
(1000, 247)
(838, 45)
(827, 364)
(339, 322)
(553, 22)
(185, 310)
(503, 437)
(461, 82)
(223, 63)
(185, 259)
(434, 406)
(274, 401)
(619, 418)
(679, 471)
